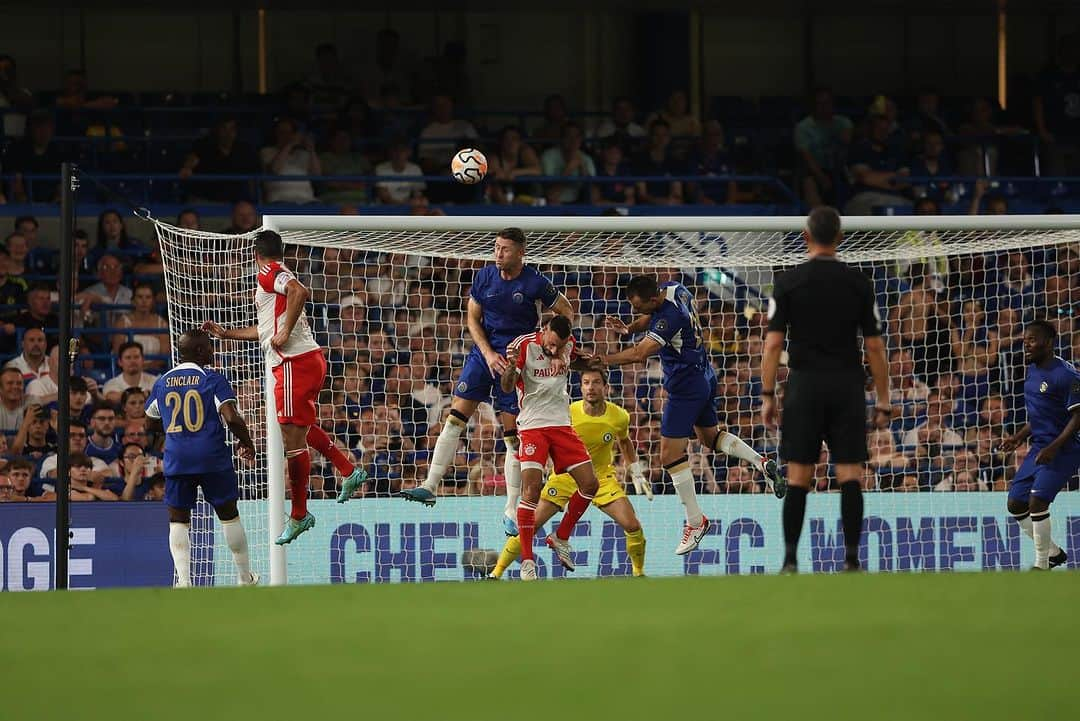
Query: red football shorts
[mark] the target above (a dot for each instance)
(560, 443)
(297, 382)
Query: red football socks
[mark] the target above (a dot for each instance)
(321, 441)
(574, 510)
(299, 469)
(526, 520)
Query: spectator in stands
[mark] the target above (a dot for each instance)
(357, 120)
(244, 218)
(740, 479)
(398, 164)
(33, 440)
(979, 154)
(43, 388)
(143, 316)
(134, 431)
(975, 346)
(341, 159)
(620, 123)
(963, 474)
(293, 153)
(985, 203)
(17, 249)
(928, 118)
(31, 362)
(402, 388)
(77, 436)
(110, 290)
(12, 401)
(82, 482)
(37, 314)
(188, 219)
(909, 393)
(330, 83)
(888, 464)
(930, 164)
(133, 404)
(81, 259)
(821, 139)
(102, 443)
(683, 125)
(567, 159)
(447, 73)
(113, 237)
(556, 118)
(83, 395)
(12, 287)
(21, 473)
(132, 374)
(657, 160)
(878, 173)
(612, 165)
(392, 67)
(711, 158)
(442, 136)
(220, 153)
(1057, 111)
(39, 260)
(512, 160)
(137, 470)
(75, 96)
(36, 154)
(13, 97)
(934, 434)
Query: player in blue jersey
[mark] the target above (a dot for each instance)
(667, 315)
(1052, 398)
(189, 404)
(506, 301)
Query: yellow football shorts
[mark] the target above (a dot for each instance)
(559, 488)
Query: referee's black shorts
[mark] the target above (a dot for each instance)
(825, 406)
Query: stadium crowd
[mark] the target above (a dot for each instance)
(394, 323)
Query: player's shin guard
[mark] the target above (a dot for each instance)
(512, 472)
(445, 448)
(577, 506)
(321, 441)
(732, 445)
(510, 552)
(794, 513)
(299, 462)
(683, 480)
(635, 548)
(526, 519)
(851, 514)
(180, 548)
(236, 539)
(1040, 527)
(1024, 521)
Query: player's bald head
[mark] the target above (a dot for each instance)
(195, 346)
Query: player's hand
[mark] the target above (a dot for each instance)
(1046, 456)
(770, 415)
(213, 329)
(1009, 445)
(558, 365)
(246, 452)
(279, 340)
(616, 324)
(641, 483)
(498, 364)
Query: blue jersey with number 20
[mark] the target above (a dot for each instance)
(187, 400)
(675, 326)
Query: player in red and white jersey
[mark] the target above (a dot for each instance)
(299, 367)
(538, 364)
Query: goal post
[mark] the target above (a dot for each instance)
(388, 302)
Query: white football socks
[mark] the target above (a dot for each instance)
(180, 548)
(1024, 521)
(1040, 528)
(512, 472)
(683, 480)
(732, 445)
(443, 455)
(236, 539)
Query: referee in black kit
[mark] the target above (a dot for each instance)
(821, 306)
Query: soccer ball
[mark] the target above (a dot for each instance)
(468, 166)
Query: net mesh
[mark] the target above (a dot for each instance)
(389, 309)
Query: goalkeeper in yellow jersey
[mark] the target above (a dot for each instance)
(600, 424)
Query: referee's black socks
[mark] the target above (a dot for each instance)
(851, 513)
(794, 512)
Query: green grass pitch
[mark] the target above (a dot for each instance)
(905, 647)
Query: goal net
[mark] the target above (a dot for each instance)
(388, 302)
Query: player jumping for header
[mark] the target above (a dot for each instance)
(538, 365)
(299, 371)
(504, 302)
(668, 315)
(189, 402)
(1052, 398)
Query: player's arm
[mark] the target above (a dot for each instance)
(510, 374)
(637, 325)
(239, 428)
(646, 347)
(1013, 442)
(879, 371)
(218, 331)
(562, 307)
(296, 295)
(628, 452)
